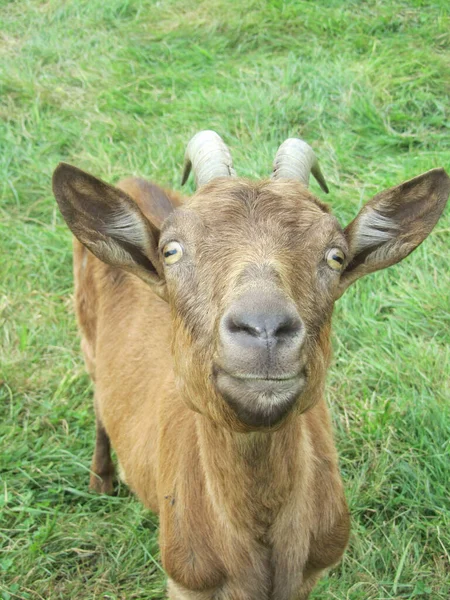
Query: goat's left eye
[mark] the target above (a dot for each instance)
(335, 259)
(172, 252)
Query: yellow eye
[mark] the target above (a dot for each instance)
(172, 252)
(335, 259)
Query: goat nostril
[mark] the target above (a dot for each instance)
(251, 330)
(272, 326)
(240, 326)
(288, 328)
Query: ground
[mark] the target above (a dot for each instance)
(118, 88)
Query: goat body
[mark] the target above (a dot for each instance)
(215, 410)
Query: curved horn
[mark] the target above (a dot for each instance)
(209, 157)
(295, 159)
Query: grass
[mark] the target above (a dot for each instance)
(118, 88)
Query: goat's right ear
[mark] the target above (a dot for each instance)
(109, 223)
(394, 223)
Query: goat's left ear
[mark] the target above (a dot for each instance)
(394, 223)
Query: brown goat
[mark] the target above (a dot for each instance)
(211, 390)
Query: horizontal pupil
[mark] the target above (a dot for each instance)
(170, 252)
(338, 259)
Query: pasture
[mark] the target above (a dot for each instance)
(118, 88)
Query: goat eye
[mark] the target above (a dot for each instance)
(335, 259)
(172, 252)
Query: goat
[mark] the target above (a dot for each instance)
(205, 324)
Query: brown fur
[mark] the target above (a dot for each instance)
(246, 513)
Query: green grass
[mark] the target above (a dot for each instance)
(118, 88)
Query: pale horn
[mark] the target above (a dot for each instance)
(295, 159)
(209, 157)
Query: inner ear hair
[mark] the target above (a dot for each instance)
(155, 203)
(374, 229)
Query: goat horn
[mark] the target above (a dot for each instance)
(209, 157)
(295, 159)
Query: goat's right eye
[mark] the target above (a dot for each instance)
(172, 252)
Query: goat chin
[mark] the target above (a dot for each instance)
(260, 402)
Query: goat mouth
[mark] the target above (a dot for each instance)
(260, 378)
(260, 401)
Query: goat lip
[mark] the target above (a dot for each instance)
(259, 401)
(253, 377)
(249, 377)
(272, 386)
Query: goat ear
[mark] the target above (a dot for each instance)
(109, 223)
(394, 223)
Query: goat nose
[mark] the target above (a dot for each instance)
(255, 326)
(261, 335)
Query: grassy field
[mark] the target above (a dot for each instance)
(118, 88)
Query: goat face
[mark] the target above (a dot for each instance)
(250, 270)
(252, 291)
